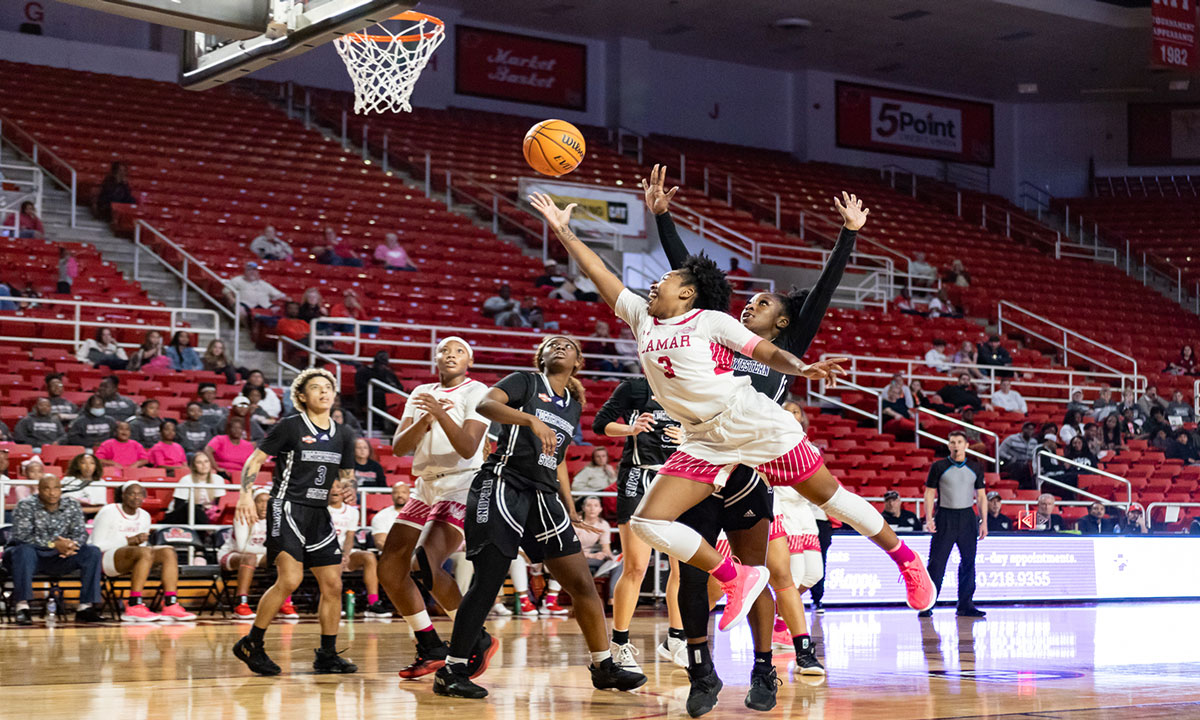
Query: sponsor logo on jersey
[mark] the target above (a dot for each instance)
(308, 439)
(321, 456)
(543, 397)
(317, 494)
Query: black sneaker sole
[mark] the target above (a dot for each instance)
(456, 691)
(241, 653)
(705, 709)
(761, 707)
(621, 684)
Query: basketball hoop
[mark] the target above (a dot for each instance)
(385, 65)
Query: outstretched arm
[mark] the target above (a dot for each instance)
(798, 336)
(658, 200)
(608, 285)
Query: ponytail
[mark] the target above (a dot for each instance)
(576, 389)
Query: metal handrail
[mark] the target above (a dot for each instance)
(1037, 197)
(36, 149)
(963, 423)
(12, 201)
(182, 273)
(1165, 504)
(313, 354)
(1066, 333)
(1090, 471)
(79, 321)
(372, 411)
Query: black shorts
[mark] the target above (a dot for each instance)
(745, 500)
(304, 532)
(509, 519)
(632, 484)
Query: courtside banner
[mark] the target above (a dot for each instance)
(520, 68)
(1173, 24)
(603, 210)
(907, 123)
(1030, 566)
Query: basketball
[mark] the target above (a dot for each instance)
(554, 147)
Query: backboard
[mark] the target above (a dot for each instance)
(227, 39)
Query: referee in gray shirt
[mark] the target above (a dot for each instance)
(957, 482)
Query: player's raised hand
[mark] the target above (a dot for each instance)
(827, 370)
(657, 198)
(558, 218)
(644, 423)
(854, 215)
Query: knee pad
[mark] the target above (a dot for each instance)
(813, 570)
(672, 538)
(422, 573)
(855, 512)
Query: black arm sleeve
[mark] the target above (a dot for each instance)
(672, 244)
(797, 336)
(616, 408)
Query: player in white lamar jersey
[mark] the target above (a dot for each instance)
(345, 519)
(443, 430)
(686, 344)
(244, 550)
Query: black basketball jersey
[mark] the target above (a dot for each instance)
(307, 458)
(632, 398)
(518, 458)
(771, 383)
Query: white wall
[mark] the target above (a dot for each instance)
(56, 52)
(71, 22)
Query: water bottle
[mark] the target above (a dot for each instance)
(349, 604)
(51, 609)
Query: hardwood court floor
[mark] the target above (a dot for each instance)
(1107, 662)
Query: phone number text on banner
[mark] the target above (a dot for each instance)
(907, 123)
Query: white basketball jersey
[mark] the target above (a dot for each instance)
(435, 454)
(345, 520)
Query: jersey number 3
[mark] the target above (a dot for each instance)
(665, 361)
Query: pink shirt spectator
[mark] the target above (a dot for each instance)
(122, 453)
(228, 456)
(392, 257)
(165, 454)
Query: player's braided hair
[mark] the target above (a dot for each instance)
(301, 381)
(574, 387)
(712, 289)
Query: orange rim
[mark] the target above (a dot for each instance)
(412, 15)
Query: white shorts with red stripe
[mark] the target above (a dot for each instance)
(722, 546)
(444, 501)
(795, 520)
(753, 431)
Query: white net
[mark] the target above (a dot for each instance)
(385, 64)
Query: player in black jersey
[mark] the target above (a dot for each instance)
(521, 500)
(632, 412)
(790, 322)
(311, 452)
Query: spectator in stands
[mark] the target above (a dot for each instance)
(116, 405)
(937, 358)
(897, 418)
(597, 475)
(957, 274)
(150, 354)
(962, 394)
(113, 189)
(898, 381)
(6, 292)
(120, 450)
(29, 225)
(1008, 399)
(40, 427)
(211, 413)
(1104, 405)
(249, 291)
(343, 417)
(194, 433)
(380, 369)
(242, 413)
(346, 519)
(585, 289)
(1131, 423)
(942, 306)
(1157, 422)
(1128, 401)
(269, 246)
(270, 403)
(215, 360)
(312, 305)
(392, 254)
(1095, 443)
(904, 304)
(529, 314)
(230, 450)
(48, 537)
(595, 534)
(601, 346)
(967, 358)
(258, 422)
(59, 405)
(1183, 447)
(68, 270)
(336, 251)
(896, 516)
(208, 492)
(181, 353)
(93, 426)
(1151, 400)
(1052, 467)
(382, 523)
(34, 470)
(975, 440)
(500, 307)
(552, 276)
(146, 427)
(1079, 451)
(922, 399)
(367, 470)
(291, 325)
(167, 453)
(102, 351)
(1072, 427)
(993, 354)
(29, 292)
(625, 346)
(1179, 408)
(1078, 404)
(1135, 521)
(996, 520)
(923, 273)
(5, 434)
(121, 532)
(349, 307)
(735, 271)
(245, 549)
(1186, 364)
(1094, 523)
(82, 472)
(1046, 519)
(1016, 455)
